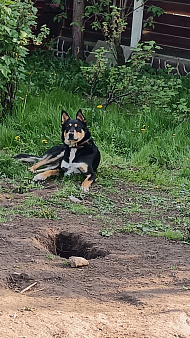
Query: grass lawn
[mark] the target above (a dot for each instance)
(148, 148)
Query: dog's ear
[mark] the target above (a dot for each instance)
(80, 116)
(64, 117)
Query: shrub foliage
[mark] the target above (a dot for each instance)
(16, 21)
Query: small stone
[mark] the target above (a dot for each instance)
(76, 262)
(75, 199)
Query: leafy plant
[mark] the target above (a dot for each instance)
(106, 232)
(130, 84)
(16, 21)
(181, 109)
(94, 73)
(50, 256)
(153, 11)
(3, 213)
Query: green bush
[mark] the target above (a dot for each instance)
(16, 21)
(131, 84)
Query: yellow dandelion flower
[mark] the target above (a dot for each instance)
(157, 187)
(144, 125)
(22, 98)
(178, 200)
(143, 129)
(45, 141)
(55, 74)
(173, 134)
(100, 106)
(17, 138)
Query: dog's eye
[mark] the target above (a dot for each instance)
(78, 129)
(67, 129)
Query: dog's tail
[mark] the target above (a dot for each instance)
(27, 158)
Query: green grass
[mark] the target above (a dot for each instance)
(3, 213)
(134, 209)
(153, 228)
(161, 154)
(157, 156)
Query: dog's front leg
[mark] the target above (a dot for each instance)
(87, 183)
(39, 164)
(90, 177)
(46, 174)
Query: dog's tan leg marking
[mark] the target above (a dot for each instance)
(86, 184)
(39, 164)
(83, 168)
(47, 160)
(46, 174)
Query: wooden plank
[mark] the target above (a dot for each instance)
(175, 51)
(170, 29)
(171, 6)
(94, 36)
(39, 3)
(176, 20)
(67, 32)
(167, 40)
(155, 2)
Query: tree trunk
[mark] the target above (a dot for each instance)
(77, 33)
(119, 52)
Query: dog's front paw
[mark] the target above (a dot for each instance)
(32, 170)
(85, 189)
(38, 178)
(86, 184)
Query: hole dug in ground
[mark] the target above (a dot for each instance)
(67, 244)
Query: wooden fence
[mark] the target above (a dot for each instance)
(171, 32)
(172, 29)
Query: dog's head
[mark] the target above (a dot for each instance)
(74, 132)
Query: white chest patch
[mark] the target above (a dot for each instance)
(71, 166)
(72, 154)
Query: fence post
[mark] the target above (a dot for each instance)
(137, 22)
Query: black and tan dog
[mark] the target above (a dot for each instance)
(77, 154)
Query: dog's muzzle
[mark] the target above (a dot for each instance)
(71, 136)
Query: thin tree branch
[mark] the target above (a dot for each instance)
(135, 9)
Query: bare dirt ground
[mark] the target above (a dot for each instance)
(134, 286)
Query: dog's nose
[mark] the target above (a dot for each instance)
(71, 136)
